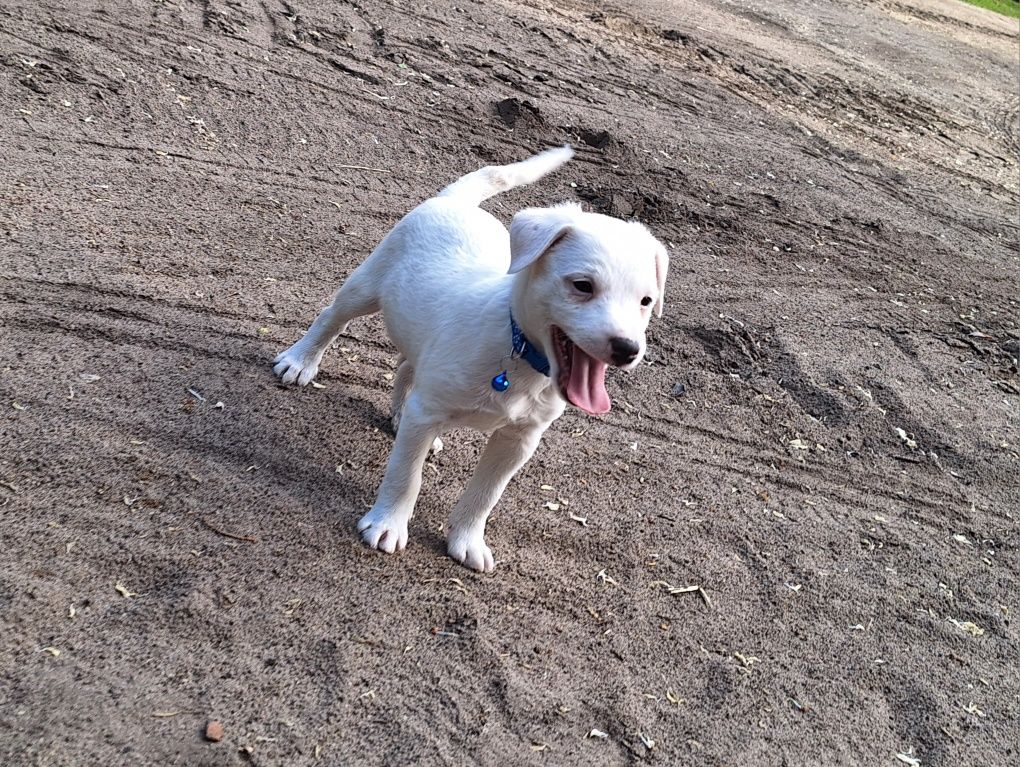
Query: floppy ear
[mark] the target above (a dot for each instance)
(661, 267)
(532, 232)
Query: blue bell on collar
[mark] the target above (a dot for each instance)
(501, 382)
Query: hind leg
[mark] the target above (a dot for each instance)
(355, 298)
(402, 383)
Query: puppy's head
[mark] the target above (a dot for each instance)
(590, 284)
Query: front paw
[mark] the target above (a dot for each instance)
(297, 364)
(471, 551)
(383, 531)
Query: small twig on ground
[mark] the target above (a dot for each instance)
(704, 596)
(685, 590)
(226, 534)
(363, 167)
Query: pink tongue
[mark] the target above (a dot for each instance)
(586, 388)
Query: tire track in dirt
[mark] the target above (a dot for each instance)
(767, 82)
(125, 326)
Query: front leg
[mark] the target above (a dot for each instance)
(508, 450)
(385, 526)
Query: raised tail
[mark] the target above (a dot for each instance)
(483, 184)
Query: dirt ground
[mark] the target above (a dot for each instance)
(825, 439)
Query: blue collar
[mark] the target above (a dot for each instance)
(525, 350)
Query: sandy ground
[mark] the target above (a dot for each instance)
(825, 439)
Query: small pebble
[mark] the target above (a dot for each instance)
(214, 731)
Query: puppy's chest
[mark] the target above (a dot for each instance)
(527, 406)
(522, 403)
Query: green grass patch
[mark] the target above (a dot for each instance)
(1005, 7)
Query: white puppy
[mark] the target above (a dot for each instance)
(497, 332)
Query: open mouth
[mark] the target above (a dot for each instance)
(581, 377)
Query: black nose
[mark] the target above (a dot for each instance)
(624, 350)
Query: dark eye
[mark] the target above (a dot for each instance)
(646, 301)
(584, 286)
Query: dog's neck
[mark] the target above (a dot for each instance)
(524, 349)
(525, 319)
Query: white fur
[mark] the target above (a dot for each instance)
(445, 279)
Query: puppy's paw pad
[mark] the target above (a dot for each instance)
(294, 365)
(471, 551)
(383, 532)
